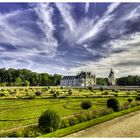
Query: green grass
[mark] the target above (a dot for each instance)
(81, 126)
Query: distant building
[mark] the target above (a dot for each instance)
(111, 78)
(83, 79)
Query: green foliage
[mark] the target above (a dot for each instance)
(38, 93)
(18, 81)
(2, 94)
(129, 81)
(24, 77)
(129, 100)
(54, 95)
(52, 91)
(72, 121)
(105, 93)
(70, 92)
(102, 81)
(101, 89)
(49, 121)
(113, 103)
(31, 132)
(86, 105)
(64, 123)
(137, 98)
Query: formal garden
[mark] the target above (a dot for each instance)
(21, 108)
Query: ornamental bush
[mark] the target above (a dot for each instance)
(38, 93)
(137, 98)
(86, 104)
(49, 121)
(113, 103)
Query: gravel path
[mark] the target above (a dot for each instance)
(125, 126)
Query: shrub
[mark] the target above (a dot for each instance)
(49, 121)
(70, 92)
(15, 134)
(86, 105)
(2, 94)
(137, 98)
(125, 106)
(101, 89)
(54, 95)
(90, 88)
(64, 123)
(113, 103)
(61, 87)
(13, 92)
(105, 93)
(57, 93)
(72, 121)
(32, 131)
(129, 100)
(81, 117)
(38, 93)
(52, 91)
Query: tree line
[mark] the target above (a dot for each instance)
(24, 77)
(122, 81)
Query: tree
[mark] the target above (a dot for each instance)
(49, 121)
(113, 103)
(18, 81)
(27, 83)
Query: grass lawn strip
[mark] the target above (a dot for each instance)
(81, 126)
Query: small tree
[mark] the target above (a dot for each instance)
(86, 105)
(113, 103)
(49, 121)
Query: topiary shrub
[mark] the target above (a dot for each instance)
(70, 92)
(129, 100)
(54, 95)
(49, 121)
(101, 89)
(86, 104)
(90, 88)
(57, 93)
(52, 91)
(2, 94)
(137, 98)
(38, 93)
(113, 103)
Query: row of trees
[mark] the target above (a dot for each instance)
(122, 81)
(24, 77)
(129, 81)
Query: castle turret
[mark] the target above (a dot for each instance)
(111, 78)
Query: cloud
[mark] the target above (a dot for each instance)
(86, 7)
(56, 38)
(100, 24)
(65, 11)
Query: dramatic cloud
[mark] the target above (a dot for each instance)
(66, 38)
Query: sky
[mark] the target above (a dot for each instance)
(66, 38)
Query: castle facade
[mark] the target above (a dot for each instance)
(83, 79)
